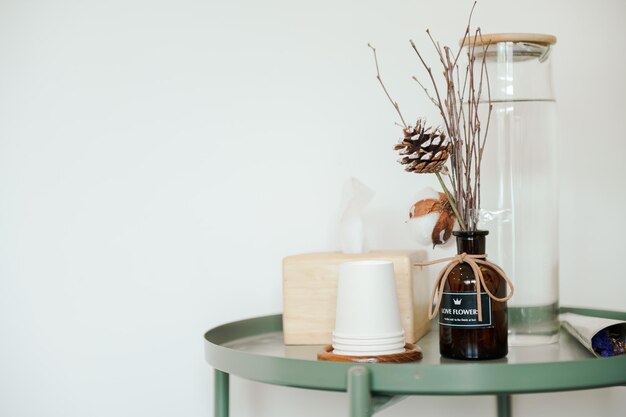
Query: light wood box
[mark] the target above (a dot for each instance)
(310, 294)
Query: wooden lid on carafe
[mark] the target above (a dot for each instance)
(492, 38)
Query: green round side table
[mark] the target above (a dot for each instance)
(253, 349)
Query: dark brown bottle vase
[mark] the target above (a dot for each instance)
(461, 334)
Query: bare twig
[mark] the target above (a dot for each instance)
(459, 108)
(459, 105)
(430, 74)
(426, 92)
(378, 77)
(467, 32)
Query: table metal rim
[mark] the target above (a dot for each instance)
(445, 379)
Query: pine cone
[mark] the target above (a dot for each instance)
(424, 150)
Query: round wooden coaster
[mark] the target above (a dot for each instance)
(411, 353)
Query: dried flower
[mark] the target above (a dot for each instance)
(608, 342)
(444, 224)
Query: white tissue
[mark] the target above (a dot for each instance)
(355, 197)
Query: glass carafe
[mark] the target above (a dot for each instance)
(519, 190)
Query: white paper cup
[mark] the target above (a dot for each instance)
(357, 337)
(358, 341)
(369, 350)
(368, 317)
(369, 347)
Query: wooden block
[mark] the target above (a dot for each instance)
(310, 294)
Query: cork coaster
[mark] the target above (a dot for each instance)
(411, 353)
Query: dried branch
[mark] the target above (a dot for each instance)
(459, 108)
(467, 32)
(426, 92)
(459, 105)
(430, 74)
(378, 77)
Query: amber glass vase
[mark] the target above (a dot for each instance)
(461, 334)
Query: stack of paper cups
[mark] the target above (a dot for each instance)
(367, 320)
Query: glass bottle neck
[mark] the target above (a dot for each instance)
(472, 243)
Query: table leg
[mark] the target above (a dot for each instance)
(504, 405)
(220, 396)
(359, 390)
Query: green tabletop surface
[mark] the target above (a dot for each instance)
(254, 349)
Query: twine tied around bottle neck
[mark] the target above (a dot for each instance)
(474, 261)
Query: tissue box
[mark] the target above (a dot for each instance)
(310, 294)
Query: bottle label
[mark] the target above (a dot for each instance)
(459, 309)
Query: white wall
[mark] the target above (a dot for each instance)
(158, 159)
